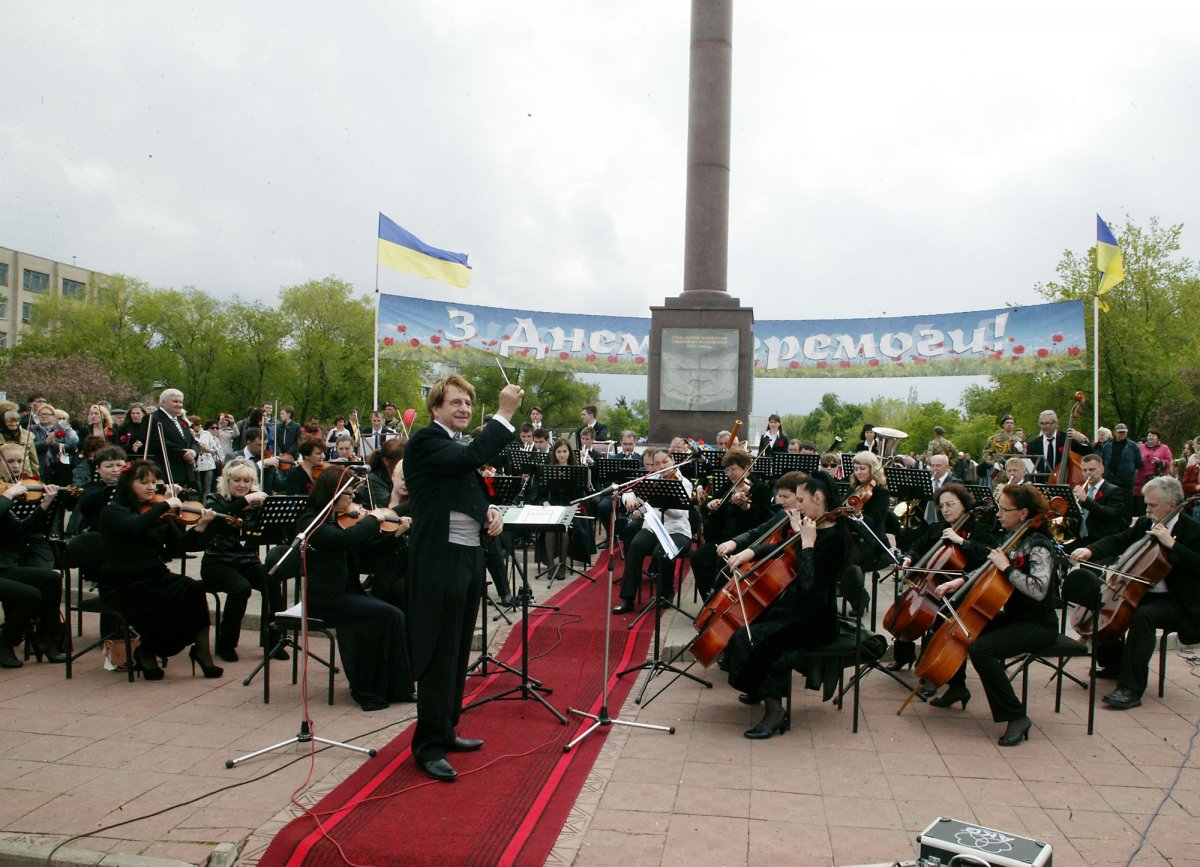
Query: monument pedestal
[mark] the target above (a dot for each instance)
(701, 366)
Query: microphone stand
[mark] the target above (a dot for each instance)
(603, 719)
(305, 735)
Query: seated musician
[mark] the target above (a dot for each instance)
(553, 549)
(299, 479)
(1027, 621)
(1017, 470)
(644, 542)
(343, 450)
(869, 543)
(588, 454)
(832, 464)
(1103, 504)
(168, 611)
(28, 588)
(541, 440)
(773, 439)
(370, 632)
(231, 564)
(805, 614)
(633, 510)
(975, 538)
(627, 452)
(1173, 604)
(267, 468)
(747, 505)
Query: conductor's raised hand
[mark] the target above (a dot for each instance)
(510, 400)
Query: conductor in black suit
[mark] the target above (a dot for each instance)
(1046, 449)
(180, 444)
(450, 515)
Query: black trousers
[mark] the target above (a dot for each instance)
(26, 592)
(705, 565)
(236, 580)
(642, 546)
(440, 687)
(1155, 611)
(1001, 639)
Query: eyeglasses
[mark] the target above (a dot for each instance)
(1013, 509)
(829, 466)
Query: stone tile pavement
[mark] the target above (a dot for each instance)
(138, 770)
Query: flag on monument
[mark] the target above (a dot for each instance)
(401, 250)
(1108, 260)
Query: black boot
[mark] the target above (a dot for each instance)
(8, 659)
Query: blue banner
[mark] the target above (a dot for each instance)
(983, 342)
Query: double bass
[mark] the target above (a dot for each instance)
(974, 606)
(1143, 565)
(1069, 470)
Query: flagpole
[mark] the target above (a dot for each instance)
(375, 341)
(1095, 364)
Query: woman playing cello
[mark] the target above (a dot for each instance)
(1027, 621)
(805, 614)
(974, 539)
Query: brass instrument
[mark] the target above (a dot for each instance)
(891, 440)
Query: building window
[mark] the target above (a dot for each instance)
(3, 309)
(72, 288)
(26, 311)
(3, 273)
(3, 339)
(36, 281)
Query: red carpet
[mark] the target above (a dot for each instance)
(511, 798)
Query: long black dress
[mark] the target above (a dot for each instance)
(803, 617)
(370, 632)
(166, 610)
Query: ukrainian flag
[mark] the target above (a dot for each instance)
(1108, 259)
(404, 251)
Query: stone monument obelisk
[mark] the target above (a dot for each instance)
(701, 371)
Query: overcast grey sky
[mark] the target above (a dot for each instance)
(898, 158)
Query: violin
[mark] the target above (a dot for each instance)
(752, 591)
(390, 523)
(1070, 466)
(915, 612)
(979, 600)
(188, 513)
(35, 490)
(1143, 565)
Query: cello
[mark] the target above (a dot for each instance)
(979, 600)
(750, 592)
(1070, 467)
(1143, 565)
(915, 612)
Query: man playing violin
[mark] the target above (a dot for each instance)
(1173, 604)
(747, 505)
(644, 542)
(805, 614)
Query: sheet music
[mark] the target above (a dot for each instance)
(652, 522)
(536, 515)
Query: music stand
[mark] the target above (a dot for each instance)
(524, 463)
(533, 518)
(275, 519)
(602, 719)
(691, 468)
(609, 470)
(568, 482)
(662, 494)
(847, 464)
(980, 493)
(305, 735)
(788, 463)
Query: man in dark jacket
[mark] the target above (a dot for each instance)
(450, 513)
(176, 435)
(1172, 605)
(1102, 503)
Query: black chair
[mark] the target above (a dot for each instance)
(80, 550)
(1162, 662)
(855, 647)
(1077, 589)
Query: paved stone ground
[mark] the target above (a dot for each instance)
(78, 757)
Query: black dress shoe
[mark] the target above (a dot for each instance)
(952, 696)
(623, 608)
(439, 769)
(228, 654)
(926, 692)
(1017, 731)
(8, 659)
(896, 665)
(1106, 674)
(465, 745)
(1123, 699)
(750, 698)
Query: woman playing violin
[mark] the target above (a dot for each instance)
(370, 632)
(747, 505)
(1027, 621)
(867, 482)
(805, 614)
(27, 587)
(231, 564)
(299, 479)
(169, 611)
(549, 548)
(974, 538)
